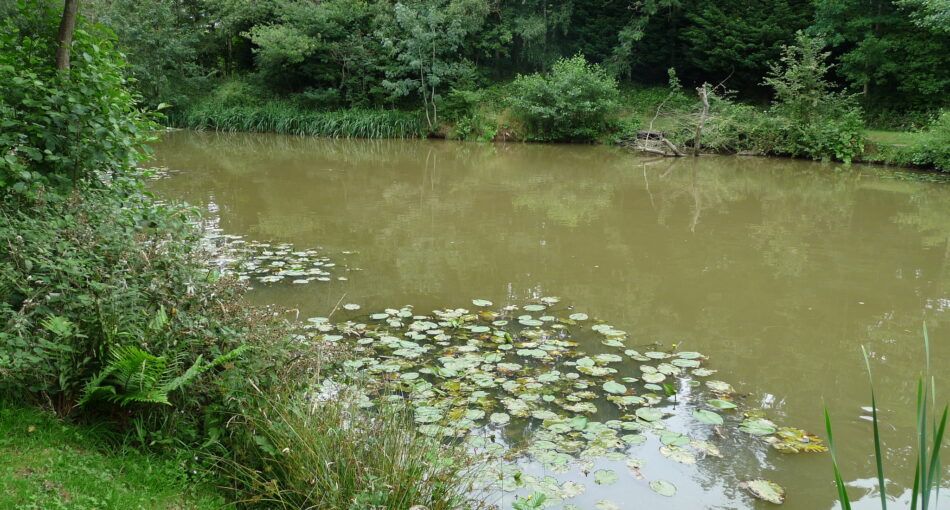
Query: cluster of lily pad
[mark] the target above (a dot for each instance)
(263, 262)
(517, 386)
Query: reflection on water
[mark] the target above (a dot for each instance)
(777, 269)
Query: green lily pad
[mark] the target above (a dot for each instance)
(578, 317)
(720, 387)
(663, 488)
(614, 387)
(481, 302)
(499, 418)
(605, 477)
(721, 404)
(606, 504)
(533, 308)
(758, 427)
(351, 306)
(707, 417)
(649, 413)
(670, 438)
(765, 490)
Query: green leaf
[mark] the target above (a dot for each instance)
(707, 417)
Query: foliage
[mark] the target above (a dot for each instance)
(285, 117)
(326, 449)
(932, 147)
(59, 128)
(571, 102)
(928, 467)
(46, 463)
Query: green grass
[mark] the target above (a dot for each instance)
(46, 464)
(287, 118)
(892, 137)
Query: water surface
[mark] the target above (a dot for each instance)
(778, 270)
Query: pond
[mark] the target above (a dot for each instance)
(776, 271)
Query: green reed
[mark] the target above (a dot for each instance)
(927, 466)
(286, 118)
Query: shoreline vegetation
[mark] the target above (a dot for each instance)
(113, 320)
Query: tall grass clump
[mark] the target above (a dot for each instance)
(930, 432)
(328, 449)
(287, 118)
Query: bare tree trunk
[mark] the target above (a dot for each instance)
(65, 38)
(704, 96)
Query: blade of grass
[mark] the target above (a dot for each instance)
(839, 482)
(878, 457)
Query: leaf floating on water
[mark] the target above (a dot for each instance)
(719, 386)
(721, 404)
(649, 414)
(677, 454)
(671, 438)
(614, 387)
(765, 490)
(533, 308)
(578, 317)
(499, 418)
(605, 476)
(606, 504)
(793, 440)
(481, 302)
(707, 417)
(706, 448)
(758, 427)
(689, 355)
(351, 306)
(663, 488)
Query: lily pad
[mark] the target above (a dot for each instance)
(758, 427)
(721, 404)
(614, 387)
(499, 418)
(765, 490)
(605, 476)
(351, 306)
(481, 302)
(649, 413)
(707, 417)
(663, 488)
(720, 387)
(578, 317)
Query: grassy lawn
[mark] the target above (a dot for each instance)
(892, 137)
(45, 464)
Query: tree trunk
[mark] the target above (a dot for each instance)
(703, 94)
(65, 38)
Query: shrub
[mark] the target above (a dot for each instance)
(571, 102)
(933, 146)
(62, 127)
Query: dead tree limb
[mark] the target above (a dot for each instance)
(704, 96)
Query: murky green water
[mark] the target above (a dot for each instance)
(777, 270)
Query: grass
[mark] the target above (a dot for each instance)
(928, 467)
(286, 118)
(892, 137)
(46, 464)
(329, 452)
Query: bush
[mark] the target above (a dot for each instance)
(933, 145)
(571, 102)
(62, 127)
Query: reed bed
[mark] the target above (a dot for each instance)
(286, 118)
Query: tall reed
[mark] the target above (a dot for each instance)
(287, 118)
(927, 469)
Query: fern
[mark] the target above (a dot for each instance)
(133, 376)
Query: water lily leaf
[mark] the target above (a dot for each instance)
(351, 306)
(649, 413)
(605, 476)
(689, 355)
(653, 378)
(678, 455)
(379, 316)
(499, 418)
(614, 387)
(721, 404)
(758, 427)
(706, 448)
(793, 440)
(481, 302)
(533, 308)
(606, 504)
(656, 355)
(720, 387)
(633, 439)
(578, 317)
(707, 417)
(530, 322)
(765, 490)
(670, 438)
(703, 372)
(572, 489)
(612, 342)
(663, 488)
(427, 414)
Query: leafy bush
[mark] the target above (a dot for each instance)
(571, 102)
(933, 146)
(62, 127)
(100, 286)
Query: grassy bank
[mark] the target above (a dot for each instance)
(46, 463)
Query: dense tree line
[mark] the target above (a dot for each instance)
(372, 53)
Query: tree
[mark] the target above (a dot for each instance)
(65, 38)
(425, 38)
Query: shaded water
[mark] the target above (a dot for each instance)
(778, 270)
